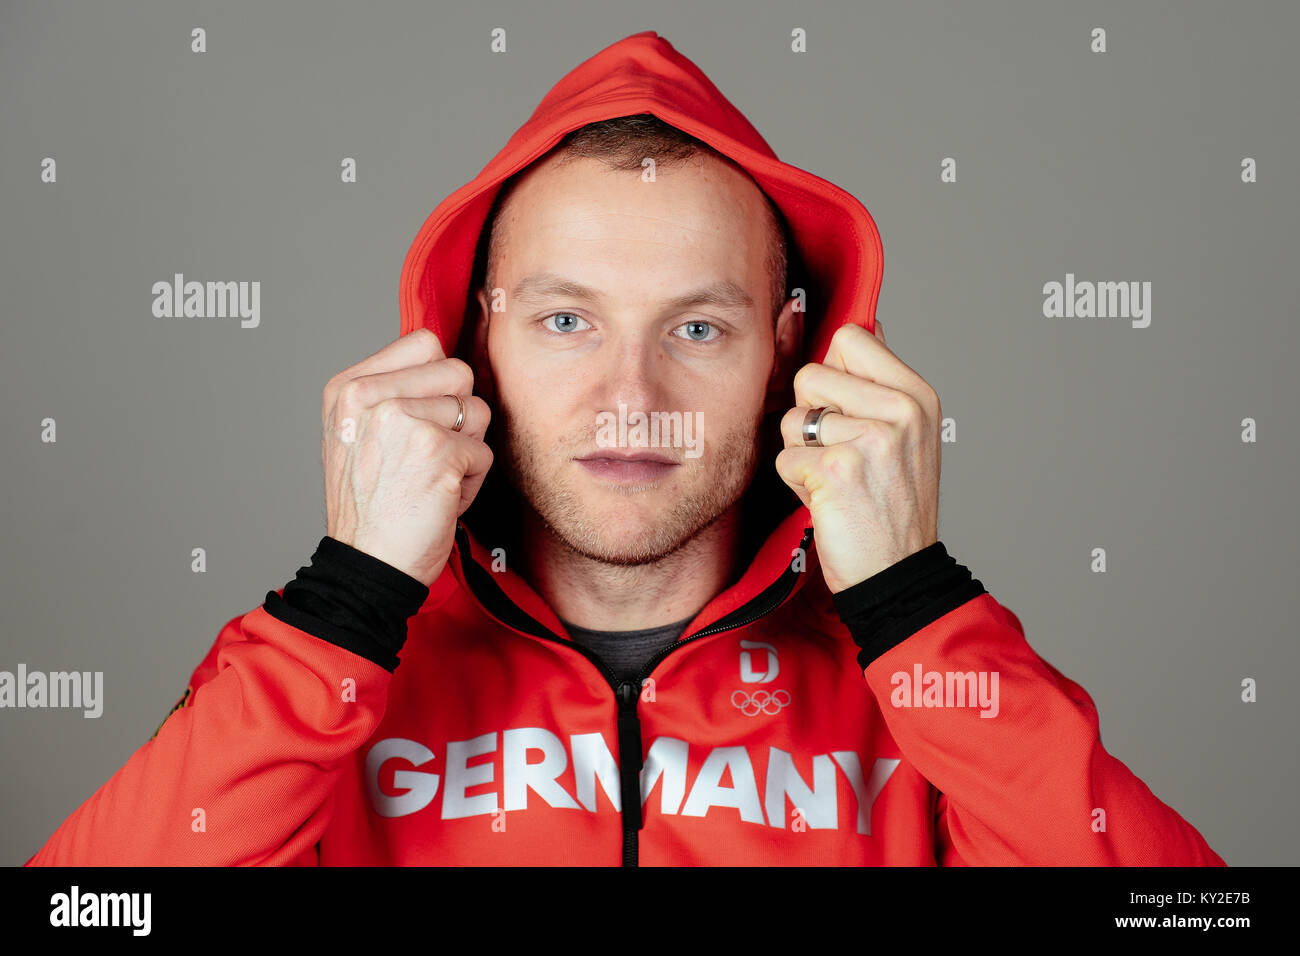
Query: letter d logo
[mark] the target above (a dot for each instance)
(747, 672)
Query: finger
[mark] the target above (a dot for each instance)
(855, 350)
(450, 376)
(443, 409)
(795, 464)
(834, 427)
(819, 469)
(816, 385)
(785, 467)
(474, 458)
(414, 348)
(470, 456)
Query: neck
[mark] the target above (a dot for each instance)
(609, 597)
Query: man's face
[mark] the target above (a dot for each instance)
(620, 292)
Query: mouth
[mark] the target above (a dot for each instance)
(627, 468)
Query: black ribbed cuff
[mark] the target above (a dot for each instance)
(892, 605)
(351, 599)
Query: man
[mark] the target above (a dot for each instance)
(688, 605)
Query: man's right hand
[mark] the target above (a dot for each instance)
(396, 476)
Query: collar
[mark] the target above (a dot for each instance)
(775, 574)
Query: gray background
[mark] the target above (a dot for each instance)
(1072, 433)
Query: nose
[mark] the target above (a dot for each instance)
(633, 373)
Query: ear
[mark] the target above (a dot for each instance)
(484, 384)
(788, 347)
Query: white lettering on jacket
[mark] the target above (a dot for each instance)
(533, 758)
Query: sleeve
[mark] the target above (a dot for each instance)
(242, 771)
(1012, 745)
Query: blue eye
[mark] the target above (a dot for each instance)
(699, 331)
(569, 322)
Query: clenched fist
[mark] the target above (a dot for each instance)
(397, 476)
(872, 486)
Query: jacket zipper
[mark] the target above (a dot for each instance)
(631, 757)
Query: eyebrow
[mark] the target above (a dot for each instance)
(724, 293)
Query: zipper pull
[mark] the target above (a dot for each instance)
(630, 758)
(625, 694)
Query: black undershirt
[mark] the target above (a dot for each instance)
(627, 652)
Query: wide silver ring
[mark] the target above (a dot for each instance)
(460, 416)
(812, 424)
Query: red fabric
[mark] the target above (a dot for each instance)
(493, 746)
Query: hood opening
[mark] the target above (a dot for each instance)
(835, 254)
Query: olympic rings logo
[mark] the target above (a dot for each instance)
(760, 702)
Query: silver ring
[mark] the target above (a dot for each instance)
(460, 417)
(812, 424)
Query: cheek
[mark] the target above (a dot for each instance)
(737, 390)
(534, 398)
(517, 379)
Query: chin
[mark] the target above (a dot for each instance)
(623, 527)
(618, 550)
(615, 529)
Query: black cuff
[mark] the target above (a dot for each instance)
(351, 599)
(892, 605)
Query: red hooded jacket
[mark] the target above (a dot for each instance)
(765, 735)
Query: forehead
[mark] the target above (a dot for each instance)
(702, 209)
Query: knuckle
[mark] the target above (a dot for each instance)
(426, 438)
(912, 409)
(424, 335)
(427, 340)
(842, 458)
(329, 394)
(463, 374)
(449, 482)
(846, 332)
(877, 437)
(387, 413)
(930, 399)
(352, 393)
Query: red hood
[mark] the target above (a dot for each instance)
(837, 256)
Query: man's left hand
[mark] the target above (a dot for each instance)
(873, 489)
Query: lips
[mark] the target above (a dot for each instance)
(627, 467)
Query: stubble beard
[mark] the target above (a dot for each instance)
(571, 521)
